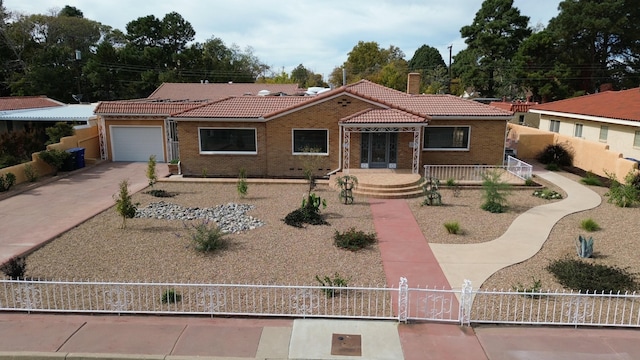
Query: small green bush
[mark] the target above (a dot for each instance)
(15, 268)
(124, 206)
(495, 192)
(331, 283)
(530, 182)
(557, 154)
(55, 158)
(7, 181)
(591, 179)
(452, 227)
(31, 173)
(206, 236)
(160, 193)
(623, 195)
(535, 287)
(242, 187)
(170, 296)
(58, 131)
(152, 175)
(552, 167)
(451, 182)
(584, 276)
(308, 213)
(547, 194)
(589, 225)
(353, 239)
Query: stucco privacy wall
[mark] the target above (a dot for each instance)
(588, 155)
(86, 137)
(485, 136)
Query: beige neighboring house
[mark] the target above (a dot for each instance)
(520, 110)
(609, 117)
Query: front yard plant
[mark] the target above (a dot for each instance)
(589, 225)
(591, 179)
(55, 158)
(584, 246)
(15, 268)
(556, 156)
(241, 185)
(7, 181)
(353, 239)
(330, 284)
(586, 276)
(170, 296)
(124, 205)
(547, 194)
(625, 194)
(152, 175)
(346, 183)
(495, 192)
(453, 227)
(206, 236)
(308, 213)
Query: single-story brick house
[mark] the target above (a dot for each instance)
(362, 125)
(12, 108)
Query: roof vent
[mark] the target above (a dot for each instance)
(264, 92)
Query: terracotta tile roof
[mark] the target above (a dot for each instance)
(26, 102)
(426, 105)
(143, 107)
(622, 105)
(383, 116)
(513, 106)
(217, 91)
(244, 107)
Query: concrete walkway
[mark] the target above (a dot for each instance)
(522, 240)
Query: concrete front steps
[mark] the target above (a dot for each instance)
(385, 185)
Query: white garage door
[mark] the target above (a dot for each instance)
(137, 143)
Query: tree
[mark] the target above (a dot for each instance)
(492, 39)
(366, 61)
(124, 206)
(71, 11)
(426, 58)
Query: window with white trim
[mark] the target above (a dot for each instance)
(636, 140)
(604, 133)
(241, 141)
(310, 141)
(577, 131)
(446, 138)
(554, 126)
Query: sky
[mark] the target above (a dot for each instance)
(317, 34)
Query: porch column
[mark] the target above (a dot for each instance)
(416, 150)
(102, 139)
(346, 148)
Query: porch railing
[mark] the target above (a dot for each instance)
(464, 306)
(475, 173)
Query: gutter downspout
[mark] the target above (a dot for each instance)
(339, 155)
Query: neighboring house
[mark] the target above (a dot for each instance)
(611, 117)
(520, 110)
(362, 125)
(132, 130)
(14, 109)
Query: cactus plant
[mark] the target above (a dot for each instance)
(584, 246)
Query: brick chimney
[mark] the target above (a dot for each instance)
(413, 83)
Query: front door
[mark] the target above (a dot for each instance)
(379, 150)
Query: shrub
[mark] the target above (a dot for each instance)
(547, 194)
(7, 181)
(55, 158)
(453, 227)
(124, 206)
(346, 183)
(160, 193)
(623, 195)
(31, 173)
(152, 175)
(242, 186)
(557, 154)
(170, 296)
(589, 225)
(354, 240)
(495, 192)
(308, 213)
(207, 236)
(431, 194)
(58, 131)
(451, 182)
(330, 284)
(591, 179)
(15, 268)
(552, 167)
(530, 182)
(535, 287)
(583, 276)
(17, 146)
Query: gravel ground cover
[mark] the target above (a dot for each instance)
(157, 249)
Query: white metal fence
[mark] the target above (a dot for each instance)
(475, 173)
(403, 303)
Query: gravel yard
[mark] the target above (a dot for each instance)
(158, 250)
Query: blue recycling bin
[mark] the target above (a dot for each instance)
(78, 157)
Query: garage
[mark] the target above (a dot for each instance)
(136, 143)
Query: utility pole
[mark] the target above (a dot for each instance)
(450, 47)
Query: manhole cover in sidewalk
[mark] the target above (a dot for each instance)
(346, 345)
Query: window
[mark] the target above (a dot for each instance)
(577, 132)
(636, 140)
(604, 132)
(447, 138)
(228, 141)
(554, 126)
(521, 119)
(311, 139)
